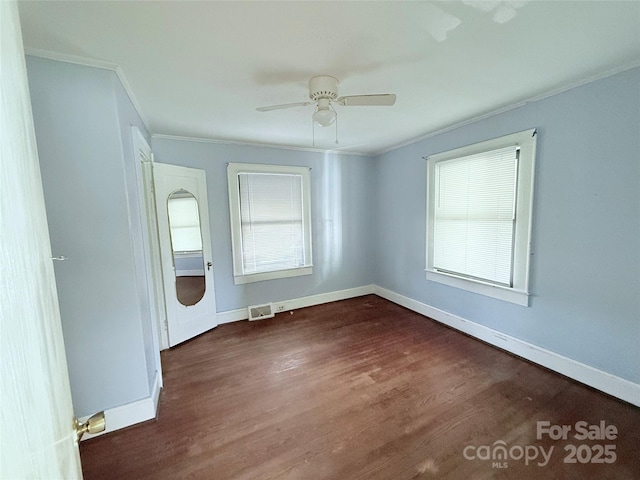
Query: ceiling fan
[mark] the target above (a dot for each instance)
(323, 91)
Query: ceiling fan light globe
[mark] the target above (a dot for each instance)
(324, 117)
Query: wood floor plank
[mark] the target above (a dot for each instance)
(357, 389)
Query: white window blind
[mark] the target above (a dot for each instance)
(474, 215)
(271, 222)
(185, 224)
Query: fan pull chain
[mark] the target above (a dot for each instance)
(313, 132)
(336, 127)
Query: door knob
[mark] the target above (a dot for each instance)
(95, 424)
(209, 265)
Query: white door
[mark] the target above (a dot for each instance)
(185, 248)
(37, 438)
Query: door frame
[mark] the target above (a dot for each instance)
(153, 264)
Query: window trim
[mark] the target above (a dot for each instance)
(233, 169)
(520, 292)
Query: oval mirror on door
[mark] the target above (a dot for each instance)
(186, 245)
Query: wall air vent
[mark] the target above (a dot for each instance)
(260, 312)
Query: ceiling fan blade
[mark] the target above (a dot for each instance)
(382, 100)
(284, 105)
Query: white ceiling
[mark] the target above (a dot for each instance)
(200, 69)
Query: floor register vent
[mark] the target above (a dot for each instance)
(260, 312)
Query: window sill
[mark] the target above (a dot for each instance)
(258, 277)
(506, 294)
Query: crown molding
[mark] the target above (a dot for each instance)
(498, 111)
(91, 62)
(258, 144)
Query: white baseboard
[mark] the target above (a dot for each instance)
(230, 316)
(131, 413)
(146, 408)
(302, 302)
(321, 298)
(603, 381)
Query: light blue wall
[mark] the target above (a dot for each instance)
(342, 218)
(586, 233)
(80, 117)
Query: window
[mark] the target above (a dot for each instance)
(270, 221)
(479, 216)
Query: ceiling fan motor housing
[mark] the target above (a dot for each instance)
(323, 87)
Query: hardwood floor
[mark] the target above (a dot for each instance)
(359, 389)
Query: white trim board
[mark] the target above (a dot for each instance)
(302, 302)
(512, 106)
(598, 379)
(247, 143)
(91, 62)
(131, 413)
